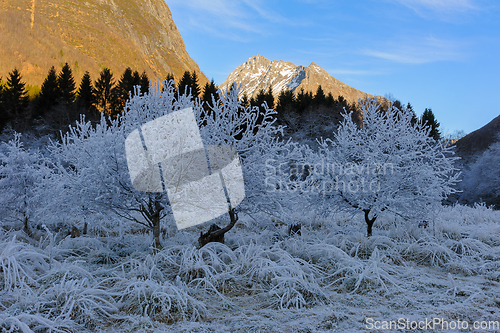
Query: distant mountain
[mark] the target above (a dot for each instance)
(90, 35)
(479, 140)
(259, 73)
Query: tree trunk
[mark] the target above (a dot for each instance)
(156, 231)
(369, 222)
(216, 234)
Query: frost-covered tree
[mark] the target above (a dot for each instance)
(93, 163)
(21, 173)
(388, 164)
(482, 182)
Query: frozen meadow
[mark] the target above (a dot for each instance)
(425, 264)
(330, 278)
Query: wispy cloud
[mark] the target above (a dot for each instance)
(228, 19)
(440, 5)
(445, 10)
(419, 51)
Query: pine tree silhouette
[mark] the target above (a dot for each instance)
(49, 94)
(269, 98)
(137, 81)
(414, 118)
(144, 83)
(286, 100)
(86, 96)
(170, 78)
(208, 91)
(103, 88)
(429, 119)
(195, 88)
(184, 86)
(15, 95)
(67, 85)
(122, 91)
(319, 98)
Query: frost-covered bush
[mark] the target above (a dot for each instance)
(389, 164)
(21, 265)
(78, 300)
(22, 173)
(208, 266)
(161, 301)
(287, 280)
(481, 182)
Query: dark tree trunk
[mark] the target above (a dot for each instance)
(369, 222)
(156, 231)
(216, 234)
(152, 212)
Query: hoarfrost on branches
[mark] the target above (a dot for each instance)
(388, 164)
(93, 166)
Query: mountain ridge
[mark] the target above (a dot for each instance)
(258, 73)
(479, 140)
(90, 35)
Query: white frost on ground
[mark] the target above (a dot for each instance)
(329, 279)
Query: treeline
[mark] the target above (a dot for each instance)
(60, 101)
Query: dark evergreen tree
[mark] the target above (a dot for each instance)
(303, 100)
(330, 101)
(269, 98)
(208, 91)
(122, 91)
(67, 85)
(409, 107)
(429, 119)
(49, 94)
(103, 88)
(342, 102)
(170, 77)
(86, 93)
(286, 100)
(15, 95)
(397, 104)
(144, 83)
(137, 80)
(184, 86)
(195, 87)
(319, 98)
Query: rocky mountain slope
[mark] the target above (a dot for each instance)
(90, 35)
(478, 141)
(259, 73)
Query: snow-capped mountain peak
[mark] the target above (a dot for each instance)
(259, 73)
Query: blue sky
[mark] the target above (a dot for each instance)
(438, 54)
